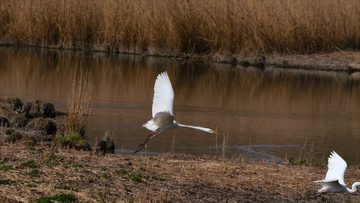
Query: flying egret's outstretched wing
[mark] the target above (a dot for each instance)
(163, 95)
(336, 168)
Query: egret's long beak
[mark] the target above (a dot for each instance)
(214, 132)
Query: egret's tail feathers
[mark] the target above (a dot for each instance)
(150, 125)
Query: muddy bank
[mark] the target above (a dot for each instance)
(342, 61)
(31, 173)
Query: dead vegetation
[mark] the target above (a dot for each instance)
(78, 110)
(28, 174)
(171, 27)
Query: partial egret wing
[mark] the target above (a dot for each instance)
(336, 168)
(163, 95)
(331, 186)
(329, 183)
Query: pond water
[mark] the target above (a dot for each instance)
(262, 113)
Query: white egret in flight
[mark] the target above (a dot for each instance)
(162, 110)
(334, 180)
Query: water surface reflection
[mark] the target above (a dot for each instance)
(270, 107)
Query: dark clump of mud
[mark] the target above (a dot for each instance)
(105, 145)
(33, 122)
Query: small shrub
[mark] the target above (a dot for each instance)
(317, 162)
(71, 140)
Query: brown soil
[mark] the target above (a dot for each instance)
(166, 178)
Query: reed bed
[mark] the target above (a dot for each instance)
(173, 27)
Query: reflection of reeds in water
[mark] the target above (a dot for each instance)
(79, 101)
(202, 26)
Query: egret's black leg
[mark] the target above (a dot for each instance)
(147, 140)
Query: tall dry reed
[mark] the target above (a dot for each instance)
(78, 103)
(184, 26)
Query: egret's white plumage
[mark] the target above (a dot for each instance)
(162, 110)
(163, 100)
(334, 179)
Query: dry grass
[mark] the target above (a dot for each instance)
(166, 178)
(173, 26)
(72, 133)
(78, 104)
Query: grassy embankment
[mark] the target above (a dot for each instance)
(171, 27)
(41, 174)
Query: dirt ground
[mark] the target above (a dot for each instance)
(27, 173)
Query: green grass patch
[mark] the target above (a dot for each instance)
(71, 140)
(317, 162)
(136, 178)
(54, 160)
(104, 175)
(4, 161)
(76, 165)
(56, 198)
(35, 173)
(31, 164)
(31, 185)
(6, 167)
(307, 162)
(121, 172)
(129, 176)
(6, 182)
(30, 147)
